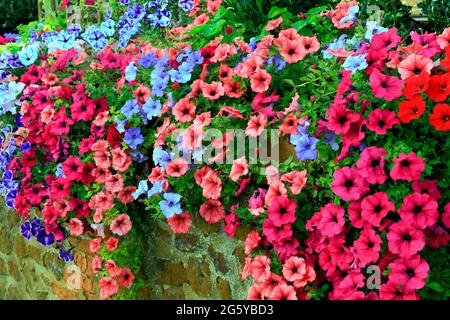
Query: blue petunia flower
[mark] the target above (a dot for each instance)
(152, 108)
(130, 108)
(133, 137)
(66, 256)
(130, 72)
(161, 157)
(95, 37)
(355, 63)
(306, 148)
(157, 188)
(186, 5)
(141, 189)
(28, 55)
(171, 205)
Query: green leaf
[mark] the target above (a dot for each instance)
(276, 11)
(436, 287)
(299, 24)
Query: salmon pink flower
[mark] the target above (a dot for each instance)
(95, 245)
(177, 167)
(273, 24)
(252, 241)
(213, 90)
(211, 185)
(184, 110)
(212, 211)
(256, 125)
(239, 168)
(260, 80)
(108, 287)
(292, 51)
(180, 223)
(414, 64)
(260, 268)
(283, 292)
(111, 244)
(75, 227)
(126, 278)
(297, 179)
(121, 225)
(114, 183)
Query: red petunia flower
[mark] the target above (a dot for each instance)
(407, 167)
(340, 119)
(409, 110)
(440, 118)
(416, 84)
(439, 87)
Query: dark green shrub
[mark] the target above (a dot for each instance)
(16, 12)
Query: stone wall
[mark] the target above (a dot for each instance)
(204, 264)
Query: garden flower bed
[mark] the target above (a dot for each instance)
(323, 137)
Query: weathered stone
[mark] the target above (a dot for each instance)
(173, 293)
(224, 289)
(186, 242)
(199, 276)
(171, 274)
(64, 293)
(218, 259)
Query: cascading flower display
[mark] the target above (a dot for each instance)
(331, 147)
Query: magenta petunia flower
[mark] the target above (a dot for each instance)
(348, 184)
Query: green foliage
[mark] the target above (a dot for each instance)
(15, 13)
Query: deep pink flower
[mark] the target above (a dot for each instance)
(410, 273)
(368, 246)
(371, 165)
(385, 40)
(404, 239)
(340, 119)
(393, 291)
(348, 184)
(282, 211)
(428, 187)
(381, 120)
(420, 210)
(275, 233)
(384, 86)
(332, 220)
(407, 167)
(375, 207)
